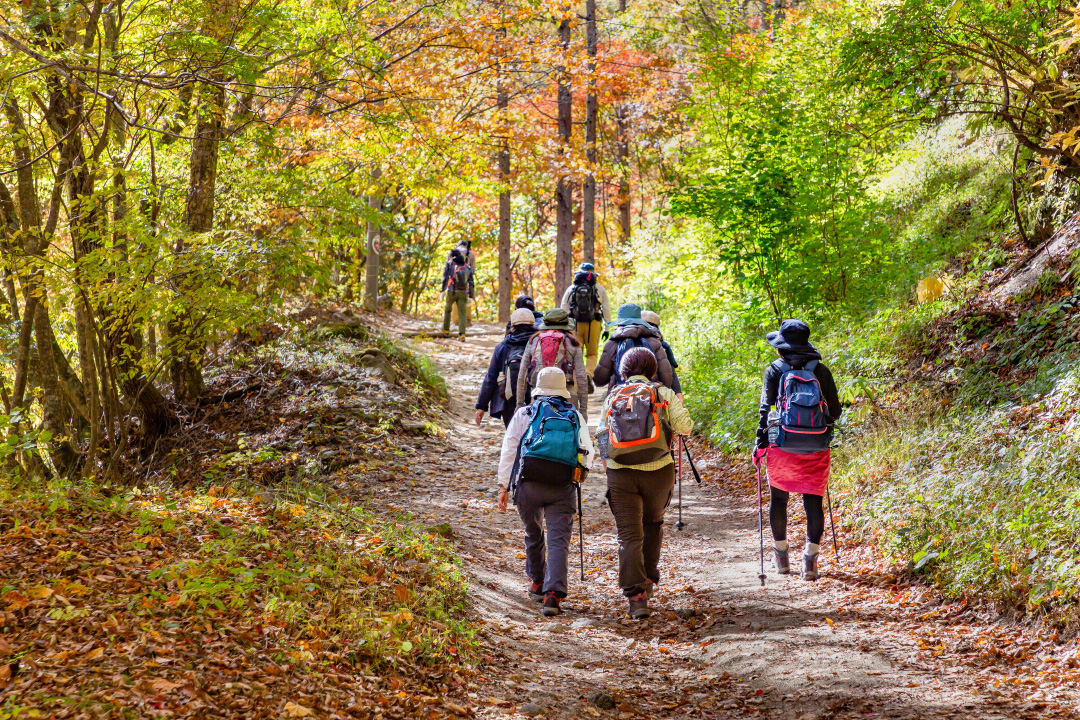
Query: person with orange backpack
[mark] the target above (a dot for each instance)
(554, 345)
(637, 428)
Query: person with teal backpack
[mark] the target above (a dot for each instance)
(546, 452)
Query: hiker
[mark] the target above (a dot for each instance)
(457, 287)
(526, 301)
(587, 301)
(794, 438)
(500, 383)
(631, 331)
(464, 248)
(637, 427)
(544, 445)
(554, 344)
(653, 319)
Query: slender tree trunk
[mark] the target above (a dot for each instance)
(622, 156)
(564, 200)
(374, 249)
(588, 238)
(506, 280)
(185, 367)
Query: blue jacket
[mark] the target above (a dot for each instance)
(490, 399)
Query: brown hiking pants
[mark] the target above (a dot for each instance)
(638, 499)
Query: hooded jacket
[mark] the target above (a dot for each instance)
(518, 336)
(770, 387)
(605, 368)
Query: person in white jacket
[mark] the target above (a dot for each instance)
(544, 488)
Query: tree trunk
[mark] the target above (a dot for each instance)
(588, 236)
(506, 280)
(374, 237)
(564, 201)
(622, 156)
(185, 368)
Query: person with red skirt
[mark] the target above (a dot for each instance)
(799, 405)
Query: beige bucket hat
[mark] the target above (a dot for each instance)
(551, 381)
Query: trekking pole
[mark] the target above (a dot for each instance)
(581, 535)
(832, 520)
(686, 449)
(760, 529)
(678, 450)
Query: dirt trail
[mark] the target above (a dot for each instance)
(718, 644)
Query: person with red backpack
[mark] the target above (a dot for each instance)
(554, 345)
(457, 287)
(500, 383)
(637, 428)
(799, 404)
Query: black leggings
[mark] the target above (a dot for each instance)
(815, 515)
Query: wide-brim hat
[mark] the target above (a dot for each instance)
(650, 317)
(587, 267)
(629, 314)
(555, 319)
(551, 381)
(792, 335)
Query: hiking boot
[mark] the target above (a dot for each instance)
(639, 606)
(780, 560)
(536, 592)
(551, 605)
(461, 338)
(809, 567)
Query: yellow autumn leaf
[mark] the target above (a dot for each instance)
(40, 592)
(95, 653)
(295, 710)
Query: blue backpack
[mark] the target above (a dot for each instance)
(552, 433)
(803, 422)
(625, 345)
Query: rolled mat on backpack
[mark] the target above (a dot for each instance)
(806, 473)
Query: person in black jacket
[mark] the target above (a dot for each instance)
(457, 287)
(801, 471)
(500, 380)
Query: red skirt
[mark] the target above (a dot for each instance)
(806, 474)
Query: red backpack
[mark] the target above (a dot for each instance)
(552, 350)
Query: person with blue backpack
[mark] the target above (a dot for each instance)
(546, 453)
(630, 332)
(498, 390)
(799, 405)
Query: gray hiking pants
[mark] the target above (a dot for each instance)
(638, 500)
(556, 504)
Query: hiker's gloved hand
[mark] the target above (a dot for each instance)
(479, 416)
(504, 499)
(605, 335)
(759, 453)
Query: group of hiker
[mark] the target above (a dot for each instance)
(538, 383)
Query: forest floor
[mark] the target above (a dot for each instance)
(864, 641)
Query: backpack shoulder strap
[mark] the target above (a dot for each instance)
(782, 366)
(810, 366)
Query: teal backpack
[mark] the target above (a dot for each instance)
(553, 432)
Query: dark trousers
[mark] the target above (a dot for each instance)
(547, 556)
(638, 499)
(815, 515)
(508, 412)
